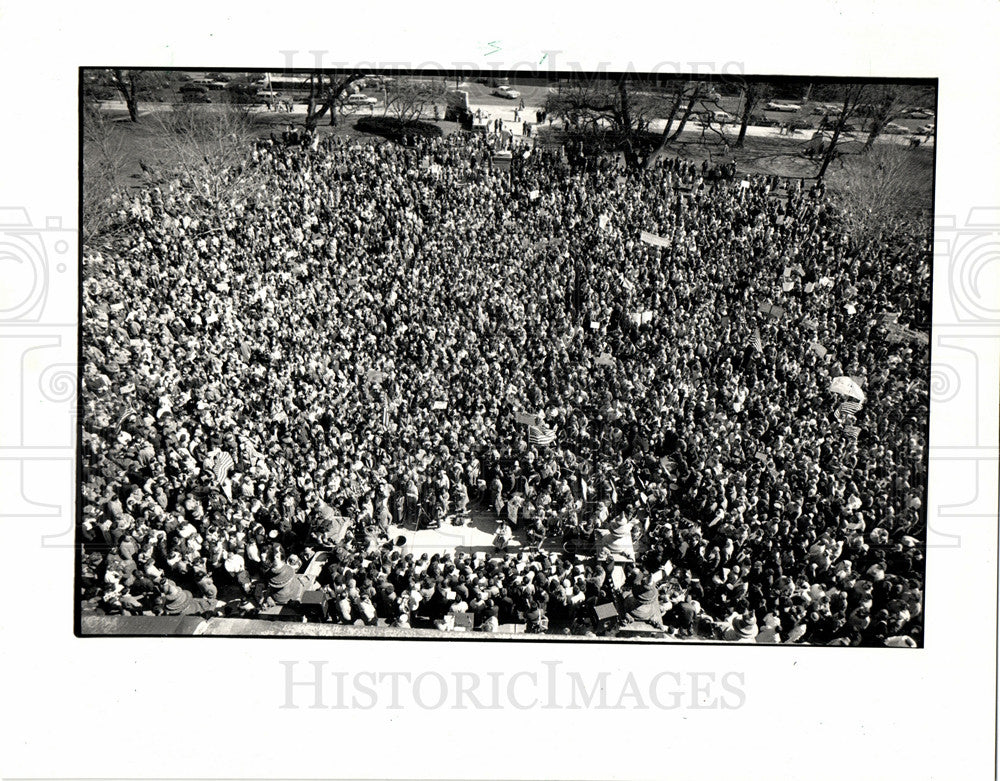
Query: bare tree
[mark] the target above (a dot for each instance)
(624, 108)
(126, 83)
(888, 102)
(601, 106)
(753, 93)
(137, 85)
(852, 99)
(325, 95)
(407, 98)
(881, 190)
(211, 148)
(103, 173)
(683, 97)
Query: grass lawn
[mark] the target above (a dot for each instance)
(131, 143)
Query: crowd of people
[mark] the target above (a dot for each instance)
(270, 382)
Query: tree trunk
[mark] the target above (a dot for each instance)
(667, 136)
(333, 111)
(126, 87)
(311, 118)
(831, 150)
(133, 107)
(329, 103)
(851, 101)
(750, 99)
(685, 116)
(626, 114)
(879, 122)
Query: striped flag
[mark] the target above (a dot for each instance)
(755, 341)
(223, 463)
(852, 431)
(541, 435)
(849, 407)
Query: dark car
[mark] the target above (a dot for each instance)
(195, 93)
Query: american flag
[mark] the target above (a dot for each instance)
(755, 341)
(852, 431)
(849, 407)
(223, 463)
(540, 435)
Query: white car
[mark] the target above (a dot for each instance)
(772, 106)
(929, 128)
(894, 128)
(719, 117)
(507, 92)
(361, 100)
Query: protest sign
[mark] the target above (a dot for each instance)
(819, 349)
(527, 418)
(439, 405)
(604, 359)
(652, 238)
(771, 310)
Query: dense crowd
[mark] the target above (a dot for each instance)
(361, 336)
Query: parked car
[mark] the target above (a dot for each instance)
(895, 129)
(361, 100)
(195, 93)
(719, 117)
(507, 92)
(927, 129)
(761, 120)
(773, 106)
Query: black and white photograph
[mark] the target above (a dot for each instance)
(580, 355)
(518, 392)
